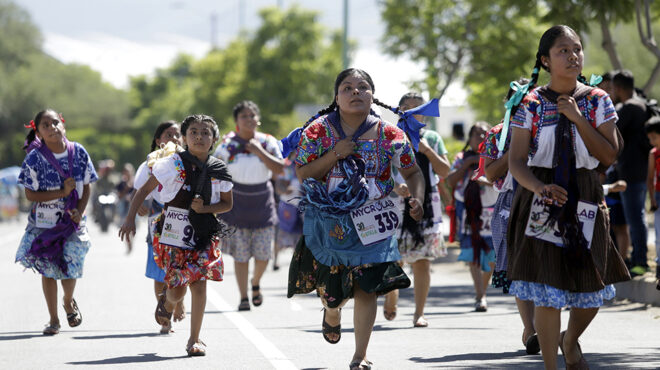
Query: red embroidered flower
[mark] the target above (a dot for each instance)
(406, 159)
(312, 157)
(391, 133)
(386, 174)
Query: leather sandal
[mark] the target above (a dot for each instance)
(532, 346)
(364, 364)
(258, 299)
(328, 329)
(74, 318)
(163, 317)
(244, 305)
(581, 364)
(51, 329)
(196, 349)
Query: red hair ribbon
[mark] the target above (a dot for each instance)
(31, 125)
(61, 118)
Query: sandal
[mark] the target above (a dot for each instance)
(532, 346)
(420, 322)
(364, 364)
(51, 329)
(581, 364)
(327, 329)
(244, 305)
(258, 299)
(74, 318)
(166, 329)
(196, 349)
(163, 317)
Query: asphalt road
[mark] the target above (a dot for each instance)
(119, 330)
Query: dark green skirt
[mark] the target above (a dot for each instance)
(335, 283)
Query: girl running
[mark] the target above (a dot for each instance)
(345, 158)
(56, 174)
(558, 243)
(194, 187)
(475, 199)
(166, 132)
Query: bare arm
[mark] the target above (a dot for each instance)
(415, 182)
(84, 199)
(225, 204)
(46, 196)
(601, 142)
(128, 228)
(496, 168)
(319, 167)
(458, 174)
(440, 163)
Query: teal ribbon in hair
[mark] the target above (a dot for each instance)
(595, 80)
(516, 98)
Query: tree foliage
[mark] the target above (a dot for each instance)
(287, 61)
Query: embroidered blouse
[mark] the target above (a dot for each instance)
(245, 167)
(390, 148)
(490, 151)
(540, 116)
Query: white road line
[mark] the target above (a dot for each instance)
(268, 349)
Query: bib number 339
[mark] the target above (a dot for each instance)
(177, 230)
(376, 220)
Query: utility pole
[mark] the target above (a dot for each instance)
(345, 36)
(214, 30)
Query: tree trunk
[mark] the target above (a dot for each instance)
(648, 40)
(449, 78)
(608, 43)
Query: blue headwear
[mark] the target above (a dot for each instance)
(411, 126)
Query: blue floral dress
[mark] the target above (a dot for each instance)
(38, 175)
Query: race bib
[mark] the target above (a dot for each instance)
(436, 204)
(47, 215)
(177, 230)
(538, 215)
(376, 220)
(486, 220)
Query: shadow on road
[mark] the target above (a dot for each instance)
(119, 336)
(20, 335)
(142, 357)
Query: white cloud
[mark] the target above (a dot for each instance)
(117, 58)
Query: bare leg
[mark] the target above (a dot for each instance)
(622, 235)
(158, 288)
(49, 287)
(579, 320)
(259, 268)
(485, 279)
(332, 315)
(364, 316)
(475, 271)
(241, 270)
(422, 277)
(547, 321)
(68, 286)
(173, 296)
(389, 307)
(198, 292)
(526, 310)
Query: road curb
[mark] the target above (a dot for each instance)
(641, 289)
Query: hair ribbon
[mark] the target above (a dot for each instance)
(514, 101)
(411, 126)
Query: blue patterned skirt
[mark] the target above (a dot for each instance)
(547, 296)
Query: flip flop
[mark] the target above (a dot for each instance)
(364, 364)
(420, 322)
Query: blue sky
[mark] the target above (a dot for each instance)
(121, 38)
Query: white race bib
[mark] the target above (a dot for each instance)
(486, 219)
(376, 220)
(538, 214)
(47, 215)
(177, 230)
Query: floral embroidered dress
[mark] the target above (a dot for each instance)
(540, 271)
(433, 245)
(38, 175)
(330, 255)
(185, 266)
(488, 198)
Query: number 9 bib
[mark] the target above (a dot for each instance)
(376, 220)
(177, 230)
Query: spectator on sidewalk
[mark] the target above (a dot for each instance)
(633, 164)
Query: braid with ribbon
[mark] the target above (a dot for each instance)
(290, 142)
